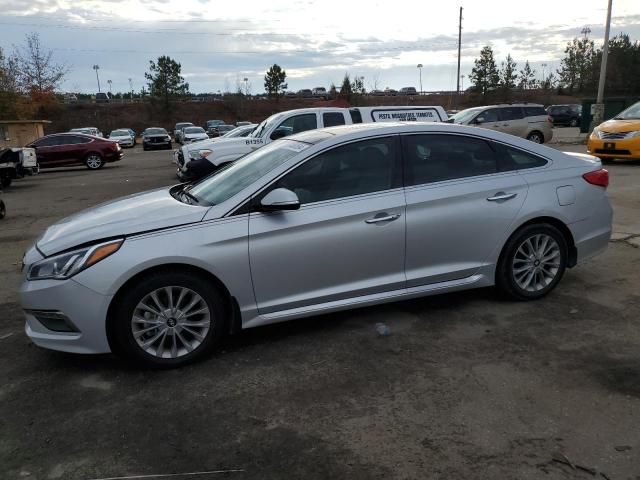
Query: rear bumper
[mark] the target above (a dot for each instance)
(626, 148)
(592, 234)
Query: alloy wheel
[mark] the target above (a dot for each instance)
(535, 137)
(94, 161)
(536, 262)
(171, 322)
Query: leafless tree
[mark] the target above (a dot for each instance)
(36, 71)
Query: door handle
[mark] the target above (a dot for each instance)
(384, 217)
(502, 196)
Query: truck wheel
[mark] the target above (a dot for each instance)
(5, 181)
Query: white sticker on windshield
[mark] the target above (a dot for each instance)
(295, 146)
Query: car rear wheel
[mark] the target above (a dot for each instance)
(536, 137)
(532, 262)
(168, 320)
(94, 161)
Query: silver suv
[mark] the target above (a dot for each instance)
(524, 120)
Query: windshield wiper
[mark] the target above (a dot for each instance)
(190, 196)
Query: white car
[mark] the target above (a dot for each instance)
(123, 137)
(193, 134)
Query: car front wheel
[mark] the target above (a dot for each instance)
(536, 137)
(532, 262)
(94, 161)
(168, 320)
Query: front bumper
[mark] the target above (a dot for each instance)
(85, 308)
(626, 148)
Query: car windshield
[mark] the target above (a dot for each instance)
(194, 130)
(265, 126)
(119, 133)
(465, 115)
(631, 113)
(236, 132)
(155, 131)
(231, 180)
(182, 125)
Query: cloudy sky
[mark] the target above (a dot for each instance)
(219, 43)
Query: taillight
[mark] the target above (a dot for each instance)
(599, 178)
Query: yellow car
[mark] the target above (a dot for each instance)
(618, 137)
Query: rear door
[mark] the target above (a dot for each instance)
(512, 121)
(459, 205)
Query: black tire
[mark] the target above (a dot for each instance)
(5, 182)
(94, 161)
(121, 336)
(3, 210)
(145, 148)
(505, 276)
(536, 137)
(169, 147)
(573, 122)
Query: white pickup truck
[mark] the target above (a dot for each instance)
(199, 159)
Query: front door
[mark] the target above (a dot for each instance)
(488, 119)
(458, 206)
(346, 240)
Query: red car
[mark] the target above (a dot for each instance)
(69, 149)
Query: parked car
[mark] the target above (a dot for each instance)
(565, 114)
(193, 134)
(16, 163)
(305, 93)
(123, 137)
(390, 92)
(70, 149)
(376, 93)
(87, 131)
(178, 129)
(211, 125)
(243, 123)
(155, 138)
(320, 92)
(290, 94)
(526, 120)
(70, 98)
(618, 137)
(102, 98)
(407, 91)
(131, 132)
(322, 221)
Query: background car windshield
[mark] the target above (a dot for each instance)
(633, 112)
(231, 180)
(155, 131)
(265, 126)
(120, 133)
(465, 115)
(194, 130)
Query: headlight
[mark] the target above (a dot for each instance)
(204, 153)
(68, 264)
(145, 139)
(596, 132)
(634, 134)
(168, 138)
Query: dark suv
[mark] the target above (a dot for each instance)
(565, 114)
(68, 149)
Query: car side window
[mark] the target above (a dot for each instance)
(435, 158)
(515, 159)
(298, 123)
(353, 169)
(331, 119)
(536, 111)
(488, 116)
(50, 142)
(77, 140)
(511, 113)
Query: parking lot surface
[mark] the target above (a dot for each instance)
(465, 386)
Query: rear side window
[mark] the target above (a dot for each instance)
(534, 111)
(515, 159)
(511, 113)
(356, 116)
(331, 119)
(77, 140)
(435, 158)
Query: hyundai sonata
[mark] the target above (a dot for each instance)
(320, 221)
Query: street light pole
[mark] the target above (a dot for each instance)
(96, 68)
(109, 82)
(544, 65)
(598, 108)
(461, 83)
(420, 70)
(131, 88)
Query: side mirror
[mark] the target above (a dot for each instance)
(278, 133)
(279, 199)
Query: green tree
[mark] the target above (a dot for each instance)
(37, 73)
(484, 75)
(577, 67)
(527, 77)
(623, 66)
(165, 80)
(357, 86)
(345, 89)
(333, 92)
(508, 76)
(274, 81)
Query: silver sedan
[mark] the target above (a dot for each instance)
(321, 221)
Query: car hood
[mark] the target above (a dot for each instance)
(620, 125)
(136, 213)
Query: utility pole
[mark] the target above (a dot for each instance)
(131, 89)
(459, 50)
(109, 82)
(544, 65)
(420, 70)
(598, 107)
(96, 68)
